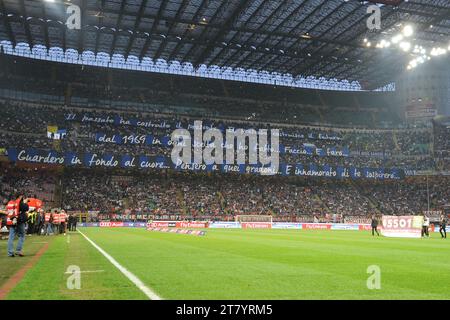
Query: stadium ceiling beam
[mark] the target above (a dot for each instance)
(443, 16)
(100, 19)
(163, 45)
(136, 26)
(416, 13)
(283, 36)
(155, 23)
(363, 70)
(206, 27)
(46, 37)
(196, 42)
(297, 42)
(309, 30)
(193, 22)
(424, 4)
(261, 5)
(322, 71)
(377, 69)
(389, 14)
(350, 27)
(81, 36)
(241, 61)
(64, 42)
(230, 22)
(345, 55)
(26, 26)
(293, 69)
(194, 19)
(434, 20)
(346, 70)
(7, 24)
(119, 21)
(378, 76)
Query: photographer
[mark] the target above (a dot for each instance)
(40, 222)
(19, 220)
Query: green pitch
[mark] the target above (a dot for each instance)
(238, 264)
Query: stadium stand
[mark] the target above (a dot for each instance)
(326, 120)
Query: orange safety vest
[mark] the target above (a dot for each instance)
(62, 217)
(56, 218)
(12, 209)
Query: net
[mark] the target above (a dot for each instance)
(253, 218)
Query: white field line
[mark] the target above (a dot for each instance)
(85, 271)
(137, 282)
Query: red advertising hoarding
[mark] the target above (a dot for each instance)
(317, 226)
(107, 224)
(189, 224)
(256, 225)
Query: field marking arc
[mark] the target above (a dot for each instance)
(137, 282)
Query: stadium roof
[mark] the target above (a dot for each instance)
(320, 38)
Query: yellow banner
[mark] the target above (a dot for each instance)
(52, 129)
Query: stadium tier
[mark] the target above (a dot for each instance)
(105, 153)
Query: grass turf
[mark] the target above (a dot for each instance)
(9, 266)
(243, 264)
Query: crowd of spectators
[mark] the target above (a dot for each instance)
(217, 196)
(442, 145)
(25, 125)
(32, 182)
(327, 121)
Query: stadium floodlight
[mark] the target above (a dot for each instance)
(383, 44)
(438, 51)
(405, 46)
(408, 31)
(397, 38)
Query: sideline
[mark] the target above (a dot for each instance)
(138, 283)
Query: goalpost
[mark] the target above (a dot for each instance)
(253, 218)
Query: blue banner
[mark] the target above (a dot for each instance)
(166, 141)
(162, 162)
(174, 124)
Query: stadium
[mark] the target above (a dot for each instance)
(224, 150)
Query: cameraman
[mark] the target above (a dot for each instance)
(19, 219)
